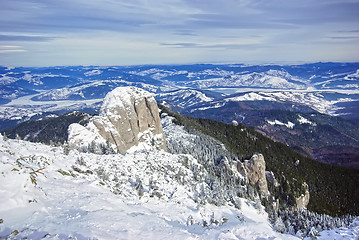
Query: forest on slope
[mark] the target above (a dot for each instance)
(333, 190)
(326, 182)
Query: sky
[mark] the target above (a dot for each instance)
(136, 32)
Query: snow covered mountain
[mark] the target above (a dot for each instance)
(143, 193)
(48, 194)
(59, 193)
(220, 92)
(198, 189)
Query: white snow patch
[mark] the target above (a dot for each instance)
(303, 120)
(277, 122)
(216, 105)
(353, 76)
(250, 97)
(311, 99)
(350, 233)
(93, 73)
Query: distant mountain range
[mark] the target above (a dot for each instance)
(312, 107)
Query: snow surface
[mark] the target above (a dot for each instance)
(269, 79)
(277, 122)
(93, 73)
(83, 137)
(353, 76)
(303, 120)
(352, 232)
(250, 97)
(311, 99)
(25, 107)
(60, 193)
(184, 98)
(85, 196)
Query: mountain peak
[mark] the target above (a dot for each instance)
(123, 97)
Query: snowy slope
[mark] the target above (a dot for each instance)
(315, 100)
(59, 193)
(88, 90)
(269, 79)
(184, 98)
(140, 195)
(217, 77)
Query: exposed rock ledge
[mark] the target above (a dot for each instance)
(129, 117)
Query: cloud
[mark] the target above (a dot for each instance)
(212, 46)
(186, 16)
(4, 37)
(208, 29)
(348, 31)
(11, 49)
(345, 38)
(81, 15)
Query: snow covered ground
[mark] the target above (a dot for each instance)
(25, 108)
(48, 192)
(312, 99)
(58, 193)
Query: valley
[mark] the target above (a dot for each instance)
(254, 95)
(199, 167)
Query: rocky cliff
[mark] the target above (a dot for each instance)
(128, 117)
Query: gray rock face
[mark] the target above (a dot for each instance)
(254, 170)
(303, 200)
(128, 117)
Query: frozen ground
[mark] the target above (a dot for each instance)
(56, 193)
(49, 194)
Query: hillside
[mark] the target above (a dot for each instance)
(308, 132)
(144, 193)
(325, 181)
(53, 130)
(47, 193)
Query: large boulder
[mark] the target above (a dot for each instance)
(129, 117)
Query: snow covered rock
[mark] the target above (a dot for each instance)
(129, 117)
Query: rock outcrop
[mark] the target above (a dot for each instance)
(129, 117)
(303, 200)
(254, 170)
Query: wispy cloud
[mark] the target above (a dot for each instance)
(345, 37)
(4, 37)
(180, 45)
(209, 46)
(11, 49)
(208, 29)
